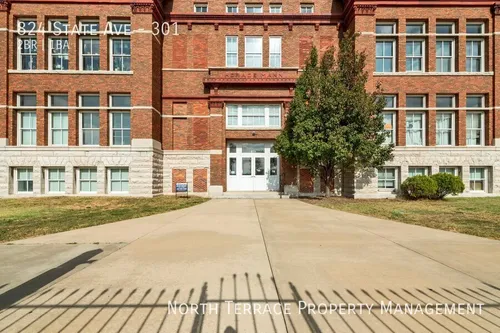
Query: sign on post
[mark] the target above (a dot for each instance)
(182, 188)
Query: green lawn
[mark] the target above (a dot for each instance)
(23, 218)
(473, 216)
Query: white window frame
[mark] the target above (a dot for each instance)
(16, 180)
(452, 24)
(484, 180)
(127, 31)
(25, 109)
(112, 114)
(62, 31)
(247, 53)
(304, 8)
(237, 52)
(275, 54)
(232, 5)
(92, 55)
(452, 40)
(27, 32)
(394, 125)
(415, 111)
(112, 55)
(422, 24)
(422, 56)
(85, 32)
(425, 169)
(452, 129)
(267, 109)
(396, 180)
(483, 130)
(277, 7)
(200, 6)
(482, 57)
(121, 180)
(261, 6)
(20, 54)
(456, 171)
(475, 23)
(56, 109)
(80, 134)
(393, 41)
(382, 23)
(59, 181)
(62, 55)
(78, 180)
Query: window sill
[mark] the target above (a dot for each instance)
(68, 72)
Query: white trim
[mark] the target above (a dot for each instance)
(256, 5)
(394, 124)
(433, 73)
(47, 180)
(232, 5)
(47, 71)
(280, 38)
(80, 53)
(453, 53)
(453, 131)
(111, 128)
(306, 5)
(108, 179)
(396, 179)
(426, 170)
(417, 111)
(49, 46)
(261, 52)
(111, 55)
(78, 171)
(422, 56)
(483, 55)
(394, 55)
(200, 5)
(483, 128)
(19, 56)
(240, 125)
(49, 128)
(485, 179)
(19, 129)
(237, 51)
(16, 188)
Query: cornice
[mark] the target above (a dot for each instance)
(4, 6)
(247, 19)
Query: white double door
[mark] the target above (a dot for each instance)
(252, 166)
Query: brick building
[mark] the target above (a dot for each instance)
(113, 97)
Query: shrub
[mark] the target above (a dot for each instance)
(419, 187)
(447, 184)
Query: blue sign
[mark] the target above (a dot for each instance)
(181, 187)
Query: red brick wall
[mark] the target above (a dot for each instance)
(200, 180)
(178, 176)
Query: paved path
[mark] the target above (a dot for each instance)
(275, 256)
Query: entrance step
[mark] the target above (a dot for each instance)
(251, 195)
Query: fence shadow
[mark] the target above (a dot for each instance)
(167, 309)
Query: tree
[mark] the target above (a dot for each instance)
(334, 124)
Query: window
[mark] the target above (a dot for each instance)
(387, 178)
(449, 170)
(417, 171)
(478, 179)
(58, 26)
(390, 127)
(445, 28)
(414, 55)
(27, 120)
(475, 128)
(26, 26)
(55, 180)
(390, 102)
(385, 50)
(89, 54)
(58, 120)
(387, 28)
(27, 53)
(474, 61)
(254, 9)
(415, 129)
(24, 180)
(231, 51)
(89, 120)
(233, 8)
(120, 54)
(118, 180)
(120, 28)
(475, 28)
(415, 101)
(253, 116)
(475, 120)
(445, 55)
(89, 27)
(253, 51)
(58, 54)
(201, 8)
(445, 121)
(306, 9)
(275, 9)
(120, 121)
(415, 28)
(87, 180)
(275, 52)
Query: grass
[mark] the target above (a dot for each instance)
(23, 218)
(473, 216)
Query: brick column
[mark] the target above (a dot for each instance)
(461, 124)
(103, 45)
(73, 45)
(73, 120)
(104, 121)
(401, 122)
(431, 121)
(364, 21)
(4, 66)
(431, 46)
(401, 46)
(42, 48)
(217, 143)
(462, 41)
(41, 120)
(496, 68)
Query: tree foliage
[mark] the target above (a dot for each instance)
(334, 123)
(419, 187)
(447, 184)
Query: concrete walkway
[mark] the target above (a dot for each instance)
(275, 256)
